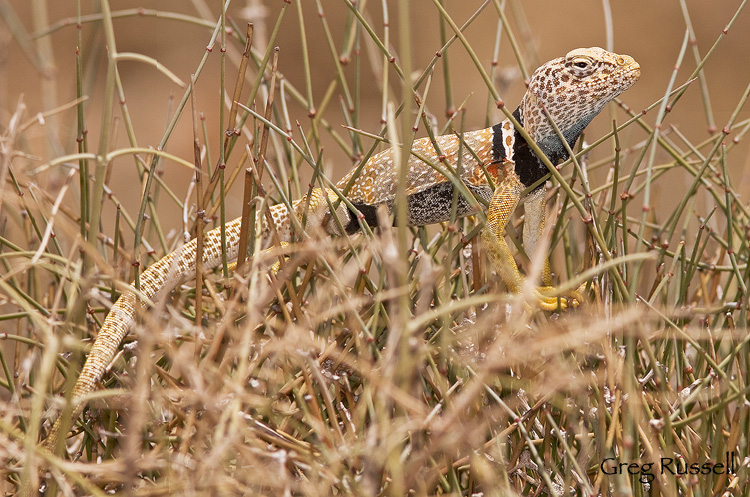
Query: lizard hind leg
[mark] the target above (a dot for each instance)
(317, 212)
(313, 214)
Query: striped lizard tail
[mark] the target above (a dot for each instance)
(160, 278)
(171, 270)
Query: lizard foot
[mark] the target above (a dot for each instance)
(548, 301)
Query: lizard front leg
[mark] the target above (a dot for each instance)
(504, 201)
(534, 208)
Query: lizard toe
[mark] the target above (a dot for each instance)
(548, 301)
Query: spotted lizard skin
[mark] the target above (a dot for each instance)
(574, 89)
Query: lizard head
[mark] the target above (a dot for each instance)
(574, 89)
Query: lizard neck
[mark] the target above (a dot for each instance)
(537, 125)
(528, 166)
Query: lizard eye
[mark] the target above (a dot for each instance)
(580, 66)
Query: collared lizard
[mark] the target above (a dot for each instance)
(573, 89)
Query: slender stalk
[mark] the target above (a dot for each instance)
(200, 221)
(101, 157)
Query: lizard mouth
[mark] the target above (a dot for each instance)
(636, 70)
(633, 66)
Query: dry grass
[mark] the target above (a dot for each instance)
(387, 363)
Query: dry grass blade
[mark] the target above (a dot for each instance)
(391, 361)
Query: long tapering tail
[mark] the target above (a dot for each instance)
(163, 276)
(160, 278)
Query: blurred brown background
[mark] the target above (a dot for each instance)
(650, 31)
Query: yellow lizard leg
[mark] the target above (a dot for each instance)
(503, 203)
(314, 211)
(534, 206)
(276, 267)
